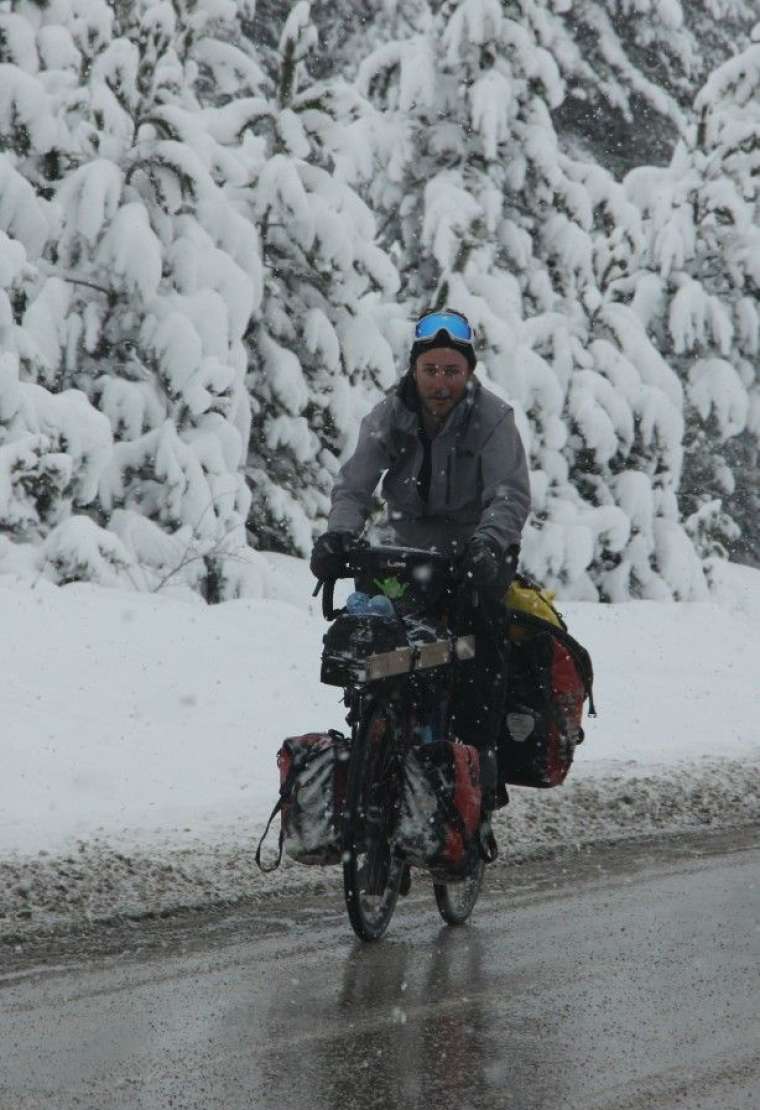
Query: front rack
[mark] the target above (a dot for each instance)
(417, 657)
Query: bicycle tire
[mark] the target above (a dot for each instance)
(371, 874)
(456, 901)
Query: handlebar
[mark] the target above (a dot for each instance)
(379, 561)
(386, 559)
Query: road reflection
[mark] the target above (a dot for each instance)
(418, 1025)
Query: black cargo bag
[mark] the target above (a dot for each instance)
(440, 809)
(550, 676)
(313, 776)
(351, 639)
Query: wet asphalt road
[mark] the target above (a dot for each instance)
(624, 979)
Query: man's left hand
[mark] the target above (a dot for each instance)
(482, 567)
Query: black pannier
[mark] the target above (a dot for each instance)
(350, 639)
(313, 777)
(439, 812)
(549, 678)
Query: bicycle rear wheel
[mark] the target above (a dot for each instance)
(371, 874)
(456, 901)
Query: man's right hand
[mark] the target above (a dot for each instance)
(328, 555)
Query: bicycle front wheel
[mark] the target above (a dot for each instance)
(456, 901)
(371, 873)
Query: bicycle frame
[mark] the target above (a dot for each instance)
(380, 691)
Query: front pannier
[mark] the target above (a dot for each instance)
(549, 678)
(313, 776)
(440, 809)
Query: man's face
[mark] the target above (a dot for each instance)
(441, 375)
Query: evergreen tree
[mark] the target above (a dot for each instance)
(54, 445)
(213, 243)
(320, 351)
(485, 213)
(633, 69)
(150, 271)
(703, 247)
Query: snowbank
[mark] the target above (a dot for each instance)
(139, 734)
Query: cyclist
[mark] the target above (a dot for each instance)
(456, 481)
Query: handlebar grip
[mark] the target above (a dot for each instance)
(328, 596)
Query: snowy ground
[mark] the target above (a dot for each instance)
(139, 734)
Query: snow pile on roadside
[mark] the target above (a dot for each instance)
(139, 735)
(96, 883)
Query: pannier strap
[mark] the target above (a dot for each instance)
(285, 791)
(580, 656)
(281, 839)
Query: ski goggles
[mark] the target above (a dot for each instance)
(455, 326)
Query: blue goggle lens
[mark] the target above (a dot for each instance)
(429, 326)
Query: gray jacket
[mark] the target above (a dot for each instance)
(478, 473)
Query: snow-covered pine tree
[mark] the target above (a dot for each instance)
(53, 445)
(52, 450)
(320, 348)
(484, 212)
(701, 217)
(632, 69)
(150, 269)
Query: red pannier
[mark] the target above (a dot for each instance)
(550, 676)
(313, 775)
(440, 809)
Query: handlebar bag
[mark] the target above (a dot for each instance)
(350, 639)
(439, 810)
(549, 678)
(313, 775)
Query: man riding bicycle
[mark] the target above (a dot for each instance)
(456, 482)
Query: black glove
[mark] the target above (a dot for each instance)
(328, 555)
(487, 570)
(483, 568)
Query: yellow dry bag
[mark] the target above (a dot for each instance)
(529, 597)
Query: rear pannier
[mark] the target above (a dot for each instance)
(313, 775)
(440, 809)
(550, 676)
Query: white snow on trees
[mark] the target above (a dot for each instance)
(325, 275)
(210, 262)
(90, 195)
(147, 269)
(700, 217)
(54, 447)
(544, 254)
(23, 215)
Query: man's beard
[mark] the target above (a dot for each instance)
(437, 406)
